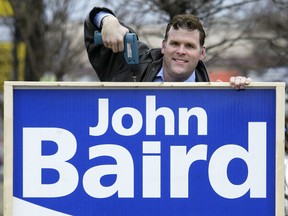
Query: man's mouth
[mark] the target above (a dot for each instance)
(179, 60)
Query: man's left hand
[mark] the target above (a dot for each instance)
(239, 82)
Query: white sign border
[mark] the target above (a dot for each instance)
(9, 87)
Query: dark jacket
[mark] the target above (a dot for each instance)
(111, 66)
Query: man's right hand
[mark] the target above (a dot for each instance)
(113, 33)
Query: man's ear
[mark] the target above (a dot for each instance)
(202, 52)
(163, 46)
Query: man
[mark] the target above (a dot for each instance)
(178, 60)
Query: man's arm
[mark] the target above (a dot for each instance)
(103, 20)
(113, 33)
(104, 61)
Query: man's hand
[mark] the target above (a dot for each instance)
(113, 33)
(239, 82)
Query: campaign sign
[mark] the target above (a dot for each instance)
(144, 151)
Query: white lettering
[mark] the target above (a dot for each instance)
(255, 158)
(137, 121)
(34, 162)
(151, 170)
(103, 116)
(152, 115)
(184, 116)
(180, 165)
(124, 170)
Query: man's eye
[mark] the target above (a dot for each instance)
(190, 46)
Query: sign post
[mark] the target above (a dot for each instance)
(144, 149)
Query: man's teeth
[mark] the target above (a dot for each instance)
(179, 60)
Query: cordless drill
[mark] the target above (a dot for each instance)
(130, 46)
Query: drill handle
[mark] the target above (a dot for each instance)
(98, 38)
(130, 46)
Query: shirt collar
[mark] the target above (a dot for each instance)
(160, 77)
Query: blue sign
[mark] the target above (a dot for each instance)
(141, 151)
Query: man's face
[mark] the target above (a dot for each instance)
(182, 52)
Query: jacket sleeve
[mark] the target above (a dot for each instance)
(102, 59)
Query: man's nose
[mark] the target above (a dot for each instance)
(181, 49)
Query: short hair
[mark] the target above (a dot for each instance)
(189, 22)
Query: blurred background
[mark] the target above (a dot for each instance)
(43, 40)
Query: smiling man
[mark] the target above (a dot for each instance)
(182, 48)
(178, 60)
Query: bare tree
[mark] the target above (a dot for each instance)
(43, 26)
(271, 42)
(29, 28)
(65, 46)
(226, 23)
